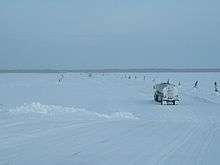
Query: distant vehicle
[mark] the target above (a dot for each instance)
(166, 92)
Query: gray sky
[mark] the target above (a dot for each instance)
(70, 34)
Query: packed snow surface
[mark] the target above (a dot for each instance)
(108, 119)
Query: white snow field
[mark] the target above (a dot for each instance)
(107, 120)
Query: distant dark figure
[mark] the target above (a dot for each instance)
(168, 81)
(129, 77)
(61, 78)
(135, 77)
(90, 74)
(179, 84)
(216, 87)
(196, 85)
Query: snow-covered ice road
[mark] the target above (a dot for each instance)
(107, 120)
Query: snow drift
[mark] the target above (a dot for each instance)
(37, 107)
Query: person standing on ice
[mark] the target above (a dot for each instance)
(216, 87)
(196, 84)
(61, 78)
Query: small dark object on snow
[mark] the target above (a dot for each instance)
(196, 84)
(216, 87)
(61, 78)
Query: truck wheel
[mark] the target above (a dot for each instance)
(174, 102)
(156, 98)
(161, 100)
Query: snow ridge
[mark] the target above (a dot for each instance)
(39, 108)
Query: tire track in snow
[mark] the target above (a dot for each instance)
(49, 132)
(170, 148)
(121, 139)
(198, 148)
(173, 145)
(6, 125)
(210, 134)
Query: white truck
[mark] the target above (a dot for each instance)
(166, 92)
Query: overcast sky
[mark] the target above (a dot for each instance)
(71, 34)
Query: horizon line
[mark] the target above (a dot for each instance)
(115, 70)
